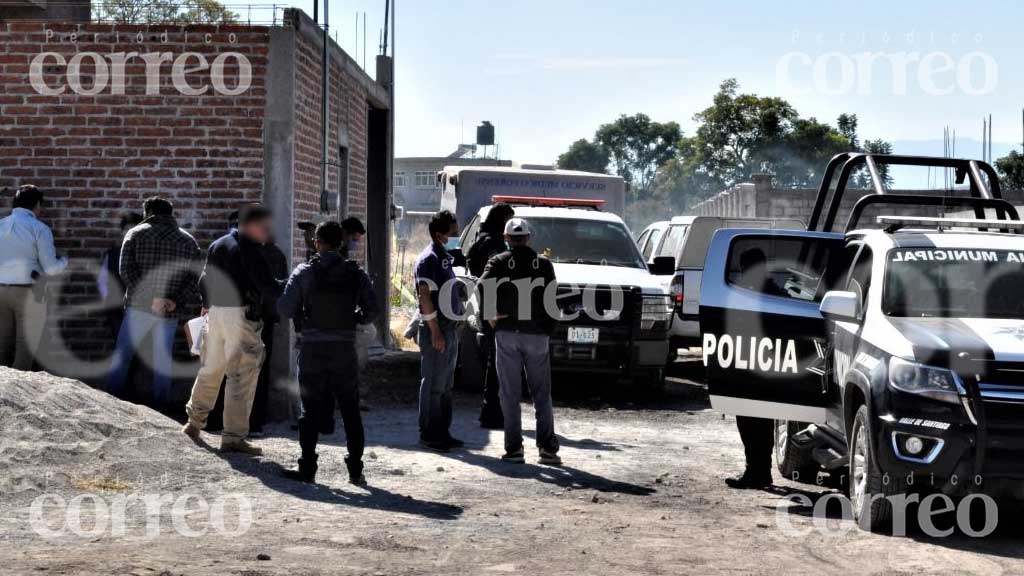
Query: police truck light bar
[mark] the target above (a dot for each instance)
(562, 202)
(897, 222)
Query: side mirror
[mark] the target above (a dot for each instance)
(663, 266)
(458, 258)
(840, 306)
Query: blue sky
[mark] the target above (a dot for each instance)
(549, 72)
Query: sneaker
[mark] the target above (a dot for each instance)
(257, 433)
(515, 457)
(454, 442)
(749, 481)
(550, 458)
(359, 480)
(241, 446)
(191, 430)
(435, 445)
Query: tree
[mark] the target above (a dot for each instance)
(1011, 170)
(638, 146)
(586, 156)
(163, 12)
(741, 134)
(880, 146)
(847, 126)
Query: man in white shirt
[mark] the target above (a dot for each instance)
(28, 254)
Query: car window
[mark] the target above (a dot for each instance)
(860, 277)
(642, 239)
(469, 238)
(652, 242)
(778, 266)
(674, 241)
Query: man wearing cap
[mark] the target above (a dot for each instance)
(28, 254)
(519, 280)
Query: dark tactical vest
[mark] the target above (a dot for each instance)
(332, 301)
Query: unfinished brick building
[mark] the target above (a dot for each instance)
(92, 113)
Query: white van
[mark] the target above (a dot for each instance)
(686, 238)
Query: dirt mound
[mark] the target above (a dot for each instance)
(57, 432)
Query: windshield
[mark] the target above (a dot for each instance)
(674, 241)
(570, 241)
(954, 283)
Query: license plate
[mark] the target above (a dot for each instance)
(578, 335)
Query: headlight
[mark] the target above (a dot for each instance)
(928, 381)
(657, 312)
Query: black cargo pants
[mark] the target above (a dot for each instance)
(329, 376)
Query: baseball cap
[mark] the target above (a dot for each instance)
(517, 227)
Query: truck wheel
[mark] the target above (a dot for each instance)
(870, 486)
(792, 463)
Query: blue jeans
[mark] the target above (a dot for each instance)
(138, 324)
(438, 374)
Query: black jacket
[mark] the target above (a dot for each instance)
(237, 273)
(353, 301)
(487, 246)
(505, 276)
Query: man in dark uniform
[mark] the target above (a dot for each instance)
(489, 242)
(331, 295)
(522, 328)
(757, 434)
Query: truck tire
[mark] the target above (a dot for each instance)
(792, 463)
(870, 486)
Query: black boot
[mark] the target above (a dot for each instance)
(355, 471)
(750, 480)
(306, 472)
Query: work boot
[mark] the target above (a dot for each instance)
(750, 480)
(191, 430)
(355, 471)
(241, 446)
(515, 456)
(549, 458)
(435, 445)
(306, 471)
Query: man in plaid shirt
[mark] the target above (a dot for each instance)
(159, 266)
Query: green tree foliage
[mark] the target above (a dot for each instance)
(1011, 170)
(638, 146)
(879, 146)
(163, 12)
(740, 135)
(586, 156)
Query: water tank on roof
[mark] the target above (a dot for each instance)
(485, 134)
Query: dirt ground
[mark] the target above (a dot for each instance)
(641, 492)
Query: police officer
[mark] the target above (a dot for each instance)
(757, 434)
(332, 295)
(521, 280)
(490, 242)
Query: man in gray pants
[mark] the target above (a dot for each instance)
(515, 282)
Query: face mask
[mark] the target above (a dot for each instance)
(452, 243)
(352, 246)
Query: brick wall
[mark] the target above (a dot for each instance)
(347, 116)
(98, 156)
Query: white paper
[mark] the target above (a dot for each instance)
(197, 331)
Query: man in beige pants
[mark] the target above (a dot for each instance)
(236, 284)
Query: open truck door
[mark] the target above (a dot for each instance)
(764, 341)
